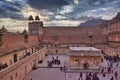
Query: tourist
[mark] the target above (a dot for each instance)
(116, 75)
(88, 77)
(95, 77)
(102, 70)
(53, 60)
(61, 68)
(104, 74)
(112, 70)
(102, 60)
(64, 68)
(111, 64)
(57, 57)
(112, 78)
(117, 64)
(86, 73)
(90, 74)
(81, 76)
(109, 70)
(108, 64)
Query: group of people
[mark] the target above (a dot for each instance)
(110, 72)
(111, 60)
(55, 61)
(89, 76)
(114, 58)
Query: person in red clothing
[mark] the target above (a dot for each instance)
(95, 77)
(109, 70)
(88, 77)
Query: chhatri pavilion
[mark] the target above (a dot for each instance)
(84, 58)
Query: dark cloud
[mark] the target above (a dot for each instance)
(11, 9)
(47, 4)
(52, 8)
(77, 11)
(87, 6)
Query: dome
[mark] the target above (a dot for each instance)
(37, 18)
(30, 17)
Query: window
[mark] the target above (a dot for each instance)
(15, 58)
(32, 50)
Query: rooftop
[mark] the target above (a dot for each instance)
(83, 49)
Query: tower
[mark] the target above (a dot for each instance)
(35, 26)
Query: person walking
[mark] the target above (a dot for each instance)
(102, 70)
(116, 75)
(95, 77)
(109, 70)
(103, 74)
(61, 68)
(90, 74)
(81, 77)
(112, 78)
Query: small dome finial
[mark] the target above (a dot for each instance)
(30, 17)
(37, 18)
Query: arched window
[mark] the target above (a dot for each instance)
(15, 58)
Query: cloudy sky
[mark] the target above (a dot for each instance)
(14, 13)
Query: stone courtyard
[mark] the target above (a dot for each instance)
(44, 73)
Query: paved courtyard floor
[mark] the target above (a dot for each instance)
(44, 73)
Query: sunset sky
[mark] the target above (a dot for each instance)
(14, 13)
